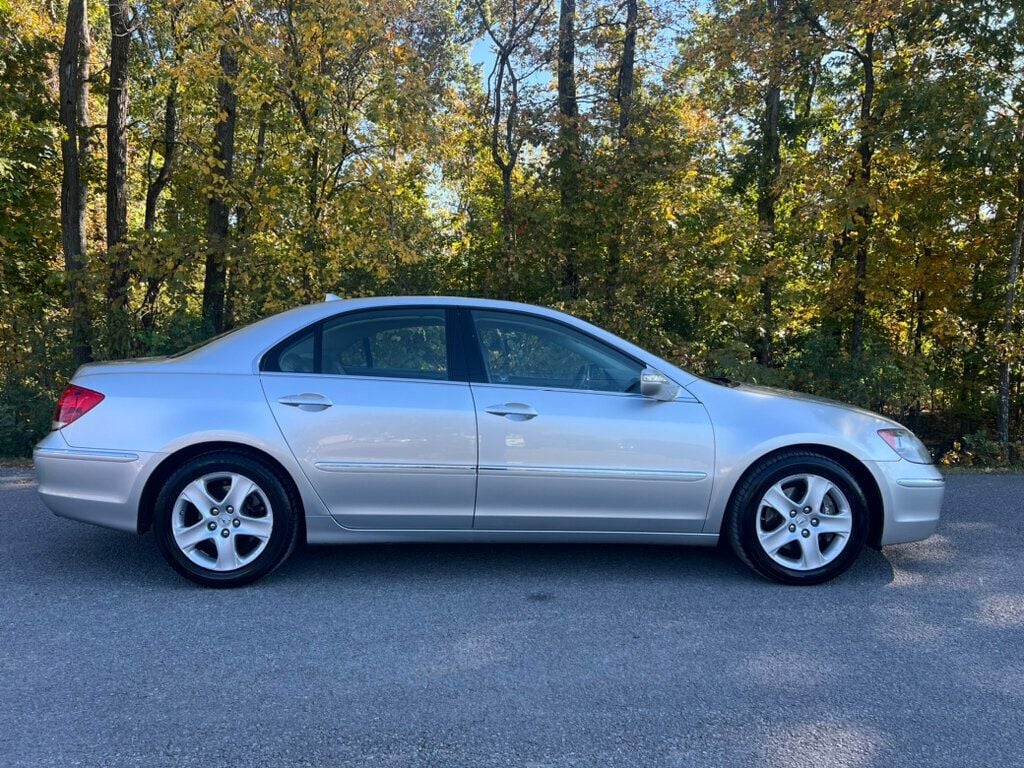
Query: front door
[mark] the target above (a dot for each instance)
(568, 443)
(369, 407)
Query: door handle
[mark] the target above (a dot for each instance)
(307, 401)
(513, 411)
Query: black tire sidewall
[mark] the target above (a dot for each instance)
(748, 507)
(282, 537)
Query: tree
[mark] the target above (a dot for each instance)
(222, 156)
(855, 33)
(1013, 273)
(74, 146)
(1007, 61)
(625, 96)
(812, 194)
(568, 148)
(118, 334)
(770, 168)
(161, 40)
(759, 63)
(511, 89)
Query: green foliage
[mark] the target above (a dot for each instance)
(363, 164)
(982, 449)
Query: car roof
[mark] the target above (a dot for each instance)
(241, 350)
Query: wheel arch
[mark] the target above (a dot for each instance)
(180, 457)
(857, 468)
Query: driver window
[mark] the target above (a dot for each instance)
(529, 351)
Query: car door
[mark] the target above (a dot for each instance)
(568, 443)
(370, 405)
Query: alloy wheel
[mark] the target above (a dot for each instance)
(222, 521)
(804, 522)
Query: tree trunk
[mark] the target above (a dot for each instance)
(153, 191)
(312, 237)
(508, 230)
(568, 149)
(864, 213)
(259, 158)
(812, 86)
(503, 95)
(169, 149)
(218, 211)
(920, 299)
(1003, 415)
(626, 87)
(236, 277)
(971, 356)
(74, 147)
(769, 172)
(118, 333)
(624, 96)
(919, 305)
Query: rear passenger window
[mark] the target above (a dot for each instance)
(400, 343)
(407, 343)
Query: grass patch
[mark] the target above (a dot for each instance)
(1013, 469)
(15, 462)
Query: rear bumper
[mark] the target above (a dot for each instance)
(912, 497)
(94, 486)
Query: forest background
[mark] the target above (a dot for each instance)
(816, 194)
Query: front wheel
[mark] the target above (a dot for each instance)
(224, 520)
(799, 518)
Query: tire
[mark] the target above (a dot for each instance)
(225, 547)
(806, 547)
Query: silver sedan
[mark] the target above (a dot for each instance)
(450, 419)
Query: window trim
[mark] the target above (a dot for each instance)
(477, 370)
(454, 348)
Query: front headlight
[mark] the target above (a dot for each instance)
(906, 445)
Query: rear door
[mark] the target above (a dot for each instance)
(371, 404)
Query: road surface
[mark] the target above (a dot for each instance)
(490, 655)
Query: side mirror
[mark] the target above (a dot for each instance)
(657, 386)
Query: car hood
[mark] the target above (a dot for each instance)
(705, 389)
(788, 394)
(754, 419)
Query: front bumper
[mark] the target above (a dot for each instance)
(912, 498)
(94, 486)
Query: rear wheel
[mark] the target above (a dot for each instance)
(224, 520)
(799, 518)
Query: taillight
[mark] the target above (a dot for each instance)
(74, 403)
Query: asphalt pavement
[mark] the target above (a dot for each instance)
(488, 655)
